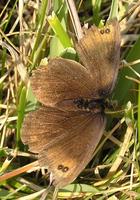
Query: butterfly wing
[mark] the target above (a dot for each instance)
(63, 139)
(99, 51)
(61, 80)
(45, 126)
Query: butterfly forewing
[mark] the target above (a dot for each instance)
(99, 51)
(61, 80)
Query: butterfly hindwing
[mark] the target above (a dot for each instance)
(63, 138)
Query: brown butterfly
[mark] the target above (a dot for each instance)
(68, 126)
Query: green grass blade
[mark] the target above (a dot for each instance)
(41, 18)
(10, 16)
(21, 109)
(123, 92)
(139, 114)
(96, 11)
(38, 53)
(114, 9)
(59, 30)
(76, 190)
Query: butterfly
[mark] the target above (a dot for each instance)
(70, 122)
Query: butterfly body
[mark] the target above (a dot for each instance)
(90, 104)
(67, 127)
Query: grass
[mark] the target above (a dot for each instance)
(32, 32)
